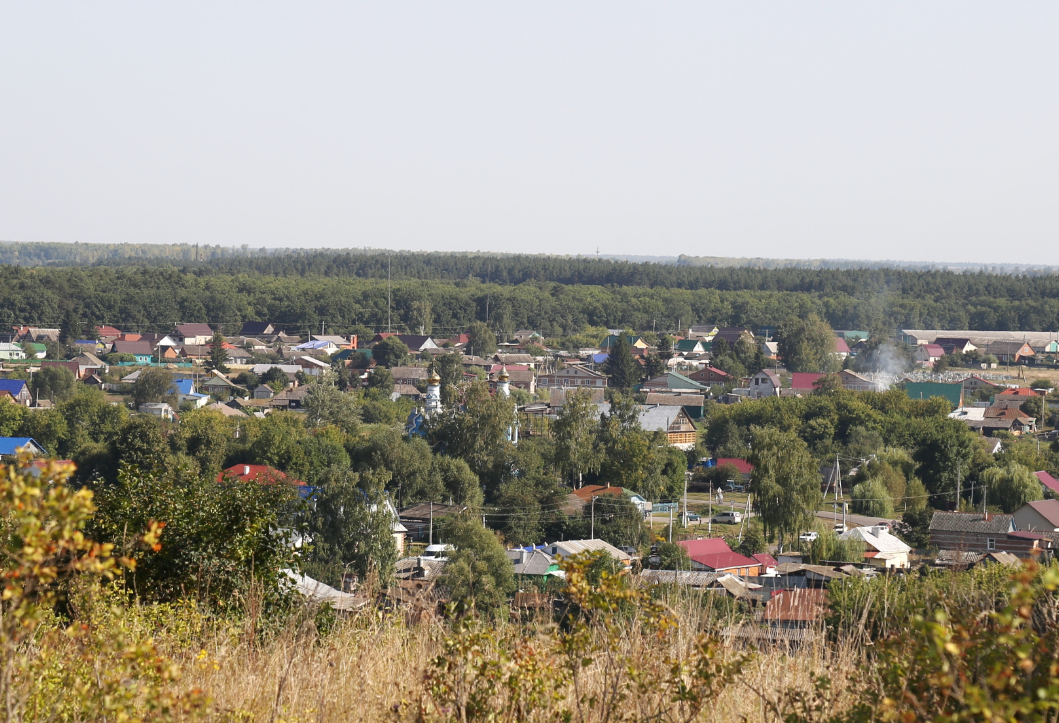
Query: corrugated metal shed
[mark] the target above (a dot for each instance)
(804, 605)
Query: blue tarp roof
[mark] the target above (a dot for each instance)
(599, 358)
(9, 445)
(315, 344)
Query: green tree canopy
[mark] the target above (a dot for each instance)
(217, 537)
(618, 521)
(476, 432)
(390, 352)
(54, 383)
(381, 380)
(218, 354)
(325, 403)
(871, 498)
(574, 433)
(807, 344)
(481, 339)
(275, 378)
(623, 369)
(1010, 486)
(154, 385)
(479, 574)
(785, 483)
(351, 528)
(672, 556)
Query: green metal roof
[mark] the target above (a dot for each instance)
(926, 390)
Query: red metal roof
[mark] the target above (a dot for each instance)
(765, 560)
(260, 473)
(804, 380)
(724, 560)
(1048, 481)
(933, 350)
(711, 546)
(510, 367)
(841, 346)
(742, 465)
(1018, 392)
(1027, 535)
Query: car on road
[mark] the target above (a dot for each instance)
(734, 488)
(809, 536)
(727, 518)
(693, 517)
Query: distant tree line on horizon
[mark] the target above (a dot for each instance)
(438, 293)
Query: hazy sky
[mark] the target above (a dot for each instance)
(918, 131)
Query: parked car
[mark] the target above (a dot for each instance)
(727, 518)
(693, 517)
(734, 488)
(840, 529)
(808, 536)
(630, 551)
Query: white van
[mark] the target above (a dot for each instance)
(727, 518)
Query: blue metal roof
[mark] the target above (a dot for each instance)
(184, 386)
(14, 386)
(10, 445)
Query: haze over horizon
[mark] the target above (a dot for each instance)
(831, 131)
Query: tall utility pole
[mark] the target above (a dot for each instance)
(685, 500)
(431, 540)
(388, 293)
(592, 533)
(959, 482)
(671, 523)
(709, 523)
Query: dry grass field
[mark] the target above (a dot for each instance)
(372, 668)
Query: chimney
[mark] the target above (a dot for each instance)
(988, 516)
(246, 469)
(522, 556)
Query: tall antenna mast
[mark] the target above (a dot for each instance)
(387, 293)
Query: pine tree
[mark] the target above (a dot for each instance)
(621, 366)
(218, 354)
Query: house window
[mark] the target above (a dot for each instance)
(990, 544)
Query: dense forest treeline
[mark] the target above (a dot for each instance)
(116, 254)
(438, 296)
